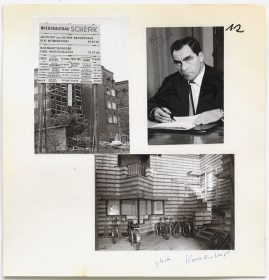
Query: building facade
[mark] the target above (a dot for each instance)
(196, 187)
(122, 92)
(105, 106)
(57, 98)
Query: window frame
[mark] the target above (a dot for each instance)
(108, 91)
(109, 117)
(115, 118)
(138, 200)
(137, 205)
(113, 105)
(153, 207)
(107, 201)
(109, 104)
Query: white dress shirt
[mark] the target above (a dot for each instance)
(196, 87)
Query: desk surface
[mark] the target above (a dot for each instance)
(171, 137)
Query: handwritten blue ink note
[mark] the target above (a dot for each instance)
(161, 261)
(190, 258)
(155, 39)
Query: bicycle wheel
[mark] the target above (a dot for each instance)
(136, 245)
(166, 232)
(175, 232)
(118, 233)
(191, 230)
(157, 229)
(186, 230)
(114, 239)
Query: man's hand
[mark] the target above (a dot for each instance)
(209, 117)
(162, 115)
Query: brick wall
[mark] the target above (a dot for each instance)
(122, 90)
(176, 179)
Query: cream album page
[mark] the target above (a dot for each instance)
(134, 140)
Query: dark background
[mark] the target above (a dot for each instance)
(159, 61)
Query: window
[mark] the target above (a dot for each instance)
(129, 207)
(110, 120)
(114, 106)
(148, 207)
(109, 104)
(36, 103)
(143, 207)
(158, 207)
(115, 119)
(107, 91)
(113, 92)
(113, 207)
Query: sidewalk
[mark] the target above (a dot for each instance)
(151, 242)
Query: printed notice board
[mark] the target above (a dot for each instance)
(69, 53)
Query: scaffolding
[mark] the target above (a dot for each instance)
(55, 99)
(60, 101)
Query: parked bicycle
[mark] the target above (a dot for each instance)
(175, 228)
(133, 232)
(187, 227)
(115, 231)
(162, 228)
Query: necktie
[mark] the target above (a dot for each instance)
(191, 104)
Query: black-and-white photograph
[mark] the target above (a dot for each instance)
(185, 85)
(81, 88)
(164, 202)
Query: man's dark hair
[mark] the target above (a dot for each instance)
(190, 41)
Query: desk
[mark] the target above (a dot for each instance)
(170, 137)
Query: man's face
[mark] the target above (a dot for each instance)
(188, 63)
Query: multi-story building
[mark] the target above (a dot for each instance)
(197, 187)
(122, 93)
(105, 106)
(59, 98)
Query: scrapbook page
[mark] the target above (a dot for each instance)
(91, 186)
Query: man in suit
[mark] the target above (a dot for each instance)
(194, 89)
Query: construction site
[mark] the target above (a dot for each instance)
(82, 118)
(190, 190)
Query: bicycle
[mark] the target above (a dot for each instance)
(175, 228)
(187, 227)
(162, 228)
(115, 232)
(133, 232)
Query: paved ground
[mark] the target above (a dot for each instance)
(152, 242)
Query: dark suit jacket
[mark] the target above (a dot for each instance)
(174, 93)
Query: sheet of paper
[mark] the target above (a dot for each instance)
(49, 200)
(180, 123)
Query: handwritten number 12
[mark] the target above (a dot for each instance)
(236, 27)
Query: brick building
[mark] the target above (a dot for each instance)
(112, 113)
(122, 92)
(197, 187)
(113, 108)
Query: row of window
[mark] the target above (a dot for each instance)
(112, 119)
(111, 91)
(131, 207)
(111, 105)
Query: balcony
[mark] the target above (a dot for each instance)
(136, 169)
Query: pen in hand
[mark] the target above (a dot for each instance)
(170, 114)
